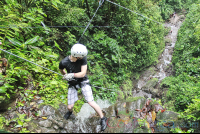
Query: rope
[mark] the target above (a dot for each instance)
(30, 62)
(70, 26)
(100, 3)
(47, 68)
(133, 11)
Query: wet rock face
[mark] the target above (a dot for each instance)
(148, 83)
(137, 115)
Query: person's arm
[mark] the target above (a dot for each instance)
(63, 72)
(82, 73)
(79, 74)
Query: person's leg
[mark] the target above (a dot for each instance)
(87, 92)
(70, 107)
(72, 98)
(96, 107)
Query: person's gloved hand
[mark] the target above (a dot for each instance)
(68, 76)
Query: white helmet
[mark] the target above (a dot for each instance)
(79, 50)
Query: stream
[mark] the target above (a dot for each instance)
(163, 68)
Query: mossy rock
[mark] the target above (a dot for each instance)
(128, 108)
(120, 96)
(168, 40)
(150, 84)
(167, 116)
(140, 130)
(131, 99)
(33, 126)
(161, 129)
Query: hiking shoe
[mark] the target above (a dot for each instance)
(67, 115)
(103, 123)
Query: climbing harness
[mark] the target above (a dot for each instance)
(100, 3)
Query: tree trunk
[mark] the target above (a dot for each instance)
(88, 9)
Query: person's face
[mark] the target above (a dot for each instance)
(74, 59)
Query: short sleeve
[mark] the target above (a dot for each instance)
(84, 61)
(61, 65)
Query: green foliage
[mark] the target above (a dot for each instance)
(183, 89)
(53, 91)
(127, 88)
(78, 105)
(21, 122)
(178, 130)
(114, 52)
(168, 7)
(2, 121)
(180, 92)
(101, 81)
(192, 111)
(9, 88)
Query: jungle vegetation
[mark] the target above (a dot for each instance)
(120, 44)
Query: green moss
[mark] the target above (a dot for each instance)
(151, 69)
(131, 99)
(127, 87)
(2, 120)
(120, 95)
(152, 82)
(136, 75)
(167, 40)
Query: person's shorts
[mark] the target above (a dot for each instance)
(85, 89)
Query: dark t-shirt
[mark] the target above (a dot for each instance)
(73, 67)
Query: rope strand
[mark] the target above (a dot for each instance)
(29, 61)
(100, 3)
(70, 26)
(47, 68)
(133, 11)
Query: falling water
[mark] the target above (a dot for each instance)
(166, 56)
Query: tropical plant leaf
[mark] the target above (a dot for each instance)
(18, 126)
(31, 41)
(57, 46)
(20, 123)
(3, 89)
(14, 41)
(54, 82)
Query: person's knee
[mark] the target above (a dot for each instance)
(70, 107)
(91, 103)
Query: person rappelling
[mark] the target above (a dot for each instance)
(76, 67)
